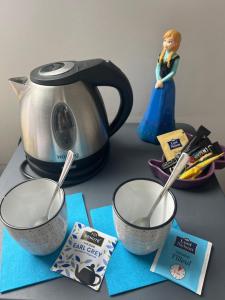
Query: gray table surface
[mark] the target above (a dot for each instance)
(200, 212)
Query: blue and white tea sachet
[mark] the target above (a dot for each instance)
(183, 259)
(85, 256)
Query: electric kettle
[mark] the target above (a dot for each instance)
(61, 108)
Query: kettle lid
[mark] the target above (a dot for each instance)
(61, 72)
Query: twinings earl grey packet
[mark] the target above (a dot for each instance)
(183, 259)
(85, 256)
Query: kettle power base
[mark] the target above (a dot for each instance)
(80, 171)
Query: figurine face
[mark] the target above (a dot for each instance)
(169, 43)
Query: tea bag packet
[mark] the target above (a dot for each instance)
(172, 143)
(183, 259)
(85, 256)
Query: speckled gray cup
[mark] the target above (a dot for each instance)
(27, 203)
(132, 200)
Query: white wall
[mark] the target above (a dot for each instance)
(128, 32)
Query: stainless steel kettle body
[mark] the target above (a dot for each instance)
(61, 108)
(56, 119)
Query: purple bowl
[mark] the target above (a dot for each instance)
(155, 166)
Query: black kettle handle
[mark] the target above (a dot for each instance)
(104, 73)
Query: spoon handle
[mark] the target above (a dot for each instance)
(66, 167)
(182, 161)
(65, 170)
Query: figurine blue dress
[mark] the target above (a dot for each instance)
(159, 117)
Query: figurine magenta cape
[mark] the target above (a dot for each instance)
(159, 116)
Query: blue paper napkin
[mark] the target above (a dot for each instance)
(20, 268)
(125, 271)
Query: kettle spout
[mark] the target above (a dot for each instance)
(18, 84)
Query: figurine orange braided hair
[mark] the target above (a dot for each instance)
(176, 36)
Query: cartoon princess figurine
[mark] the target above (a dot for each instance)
(159, 117)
